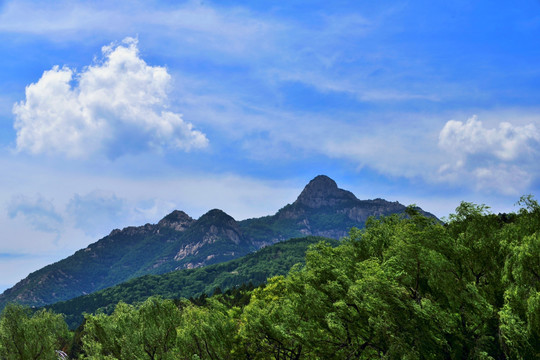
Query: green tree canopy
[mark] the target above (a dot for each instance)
(25, 335)
(132, 332)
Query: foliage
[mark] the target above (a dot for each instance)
(405, 287)
(206, 332)
(408, 288)
(147, 331)
(25, 336)
(520, 315)
(256, 268)
(347, 303)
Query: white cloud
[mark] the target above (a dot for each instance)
(37, 211)
(117, 106)
(506, 143)
(502, 159)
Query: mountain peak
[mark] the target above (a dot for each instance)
(323, 191)
(322, 181)
(216, 215)
(177, 220)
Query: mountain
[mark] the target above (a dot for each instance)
(321, 209)
(175, 242)
(253, 268)
(180, 242)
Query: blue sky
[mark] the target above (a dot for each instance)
(115, 113)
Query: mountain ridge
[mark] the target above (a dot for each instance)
(178, 241)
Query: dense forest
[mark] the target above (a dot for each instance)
(404, 287)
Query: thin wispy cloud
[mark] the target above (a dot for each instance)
(315, 56)
(232, 30)
(37, 211)
(97, 212)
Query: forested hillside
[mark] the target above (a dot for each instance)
(405, 287)
(254, 268)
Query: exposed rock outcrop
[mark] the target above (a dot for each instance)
(177, 220)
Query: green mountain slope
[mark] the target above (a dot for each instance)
(255, 268)
(175, 242)
(180, 242)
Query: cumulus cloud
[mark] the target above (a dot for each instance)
(97, 212)
(502, 159)
(506, 143)
(37, 211)
(118, 106)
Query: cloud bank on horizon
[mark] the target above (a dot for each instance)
(115, 113)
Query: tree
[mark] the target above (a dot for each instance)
(477, 256)
(371, 297)
(207, 332)
(271, 324)
(25, 336)
(520, 315)
(132, 332)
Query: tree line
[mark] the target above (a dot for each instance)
(405, 287)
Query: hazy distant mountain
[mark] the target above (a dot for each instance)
(180, 242)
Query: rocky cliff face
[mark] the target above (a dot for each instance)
(177, 220)
(216, 236)
(177, 241)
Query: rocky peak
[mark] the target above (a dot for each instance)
(323, 191)
(177, 220)
(217, 216)
(214, 226)
(217, 223)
